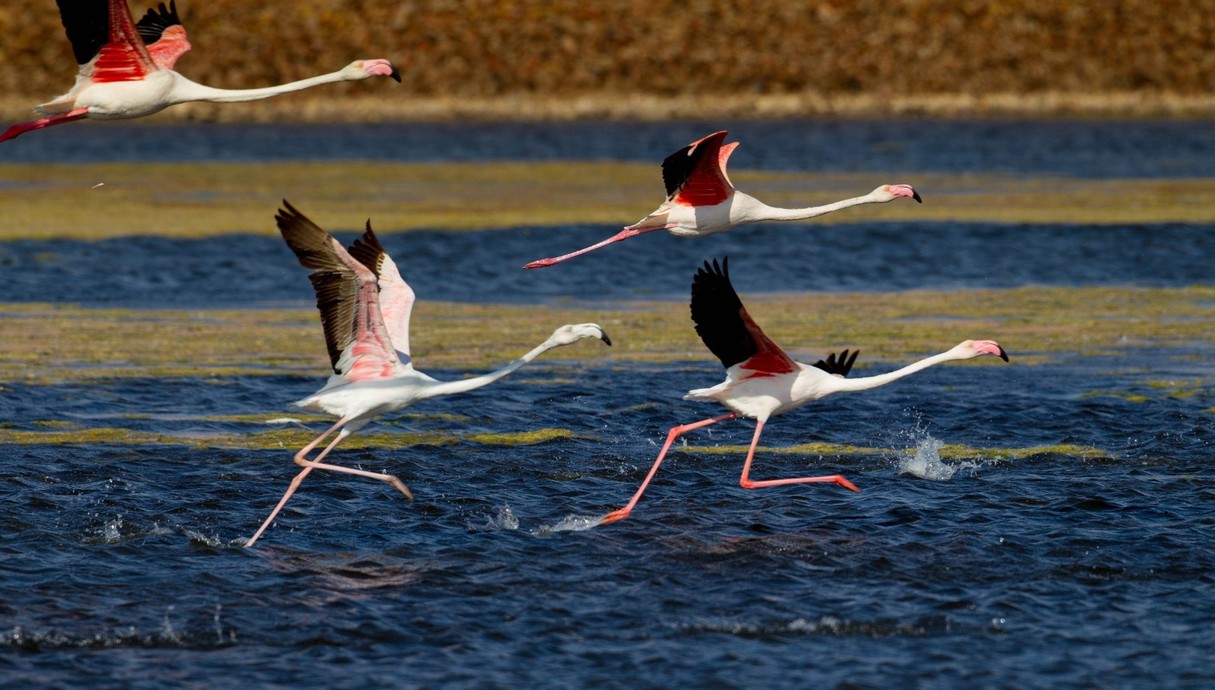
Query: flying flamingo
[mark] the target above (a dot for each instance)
(365, 307)
(762, 381)
(126, 69)
(701, 200)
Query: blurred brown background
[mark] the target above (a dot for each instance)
(659, 58)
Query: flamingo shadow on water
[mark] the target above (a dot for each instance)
(365, 307)
(763, 381)
(701, 200)
(126, 68)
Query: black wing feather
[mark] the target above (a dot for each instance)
(87, 24)
(679, 166)
(335, 284)
(368, 250)
(154, 23)
(717, 312)
(840, 366)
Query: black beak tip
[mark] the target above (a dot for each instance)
(916, 195)
(395, 75)
(1003, 355)
(606, 340)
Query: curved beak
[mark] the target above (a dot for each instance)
(395, 74)
(607, 341)
(914, 195)
(1003, 354)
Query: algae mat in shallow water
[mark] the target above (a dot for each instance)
(46, 343)
(201, 199)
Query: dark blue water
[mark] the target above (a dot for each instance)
(121, 565)
(1094, 149)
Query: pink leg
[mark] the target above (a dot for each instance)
(19, 129)
(622, 235)
(309, 465)
(671, 436)
(746, 483)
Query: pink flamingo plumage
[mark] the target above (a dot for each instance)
(762, 380)
(126, 68)
(701, 200)
(365, 307)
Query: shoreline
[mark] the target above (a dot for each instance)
(328, 107)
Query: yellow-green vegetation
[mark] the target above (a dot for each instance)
(664, 58)
(68, 434)
(193, 200)
(48, 343)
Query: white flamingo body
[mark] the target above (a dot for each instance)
(126, 68)
(762, 381)
(365, 308)
(701, 200)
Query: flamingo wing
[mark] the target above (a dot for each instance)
(696, 174)
(726, 328)
(396, 297)
(347, 296)
(104, 40)
(164, 35)
(839, 366)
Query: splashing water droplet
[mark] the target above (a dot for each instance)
(925, 462)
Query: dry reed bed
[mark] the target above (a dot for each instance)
(662, 58)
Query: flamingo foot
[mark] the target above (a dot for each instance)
(614, 516)
(400, 486)
(839, 479)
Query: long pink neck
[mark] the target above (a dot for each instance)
(766, 212)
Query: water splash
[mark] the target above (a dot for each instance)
(571, 523)
(924, 461)
(504, 520)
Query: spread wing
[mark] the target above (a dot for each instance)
(840, 366)
(348, 298)
(164, 35)
(396, 297)
(104, 40)
(727, 329)
(696, 174)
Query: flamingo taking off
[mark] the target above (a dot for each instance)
(762, 381)
(365, 307)
(126, 68)
(701, 200)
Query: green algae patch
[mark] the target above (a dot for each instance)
(66, 434)
(48, 343)
(524, 438)
(207, 199)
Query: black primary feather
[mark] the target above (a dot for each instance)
(679, 166)
(87, 24)
(840, 366)
(154, 23)
(335, 284)
(718, 314)
(368, 250)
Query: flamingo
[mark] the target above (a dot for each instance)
(126, 69)
(762, 381)
(701, 200)
(365, 307)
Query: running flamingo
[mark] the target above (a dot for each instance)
(701, 200)
(365, 307)
(762, 381)
(126, 69)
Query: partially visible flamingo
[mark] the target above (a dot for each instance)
(762, 381)
(365, 307)
(701, 200)
(126, 69)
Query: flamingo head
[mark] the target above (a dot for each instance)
(970, 349)
(365, 69)
(572, 333)
(890, 192)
